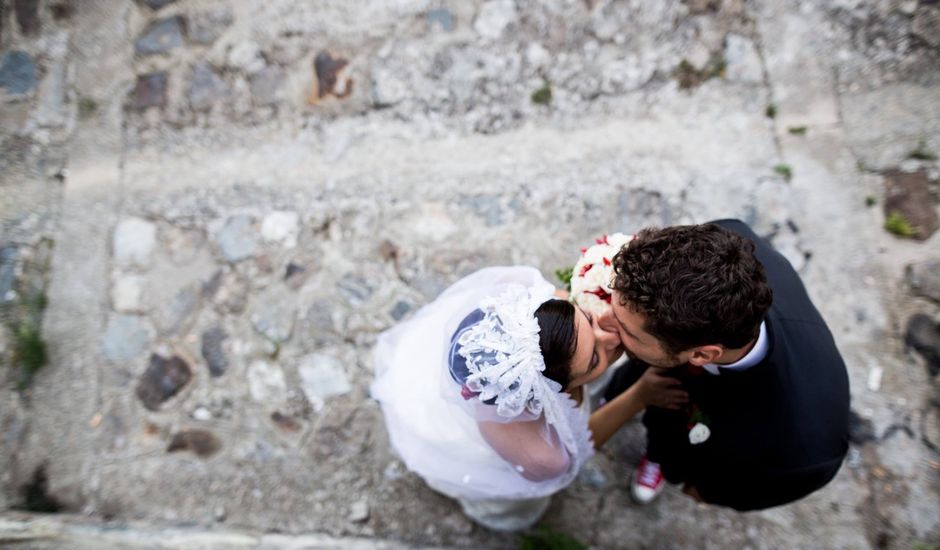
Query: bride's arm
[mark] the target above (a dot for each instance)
(524, 444)
(652, 389)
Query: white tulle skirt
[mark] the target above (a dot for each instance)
(434, 436)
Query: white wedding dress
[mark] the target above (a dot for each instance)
(435, 433)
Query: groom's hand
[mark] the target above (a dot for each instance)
(658, 390)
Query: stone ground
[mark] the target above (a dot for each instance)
(211, 208)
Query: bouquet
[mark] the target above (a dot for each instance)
(589, 280)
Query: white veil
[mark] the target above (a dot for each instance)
(432, 415)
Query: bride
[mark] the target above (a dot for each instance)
(483, 393)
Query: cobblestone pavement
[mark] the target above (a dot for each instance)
(211, 208)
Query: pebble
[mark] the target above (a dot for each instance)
(246, 56)
(494, 17)
(133, 242)
(266, 382)
(322, 376)
(400, 309)
(267, 86)
(924, 278)
(163, 379)
(17, 73)
(206, 27)
(202, 413)
(206, 88)
(273, 315)
(161, 36)
(212, 351)
(441, 18)
(150, 91)
(355, 289)
(237, 239)
(202, 443)
(281, 227)
(125, 338)
(126, 294)
(169, 316)
(359, 512)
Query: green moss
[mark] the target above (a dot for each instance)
(870, 201)
(29, 351)
(921, 152)
(690, 77)
(897, 224)
(784, 170)
(771, 111)
(87, 107)
(797, 130)
(546, 539)
(542, 96)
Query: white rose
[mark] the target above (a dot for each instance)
(699, 434)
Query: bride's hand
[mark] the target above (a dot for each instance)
(657, 390)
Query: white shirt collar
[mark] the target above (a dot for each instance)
(753, 357)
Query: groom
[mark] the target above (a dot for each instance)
(717, 309)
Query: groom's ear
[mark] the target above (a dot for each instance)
(704, 355)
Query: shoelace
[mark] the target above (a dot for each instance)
(649, 474)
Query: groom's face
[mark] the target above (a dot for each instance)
(630, 324)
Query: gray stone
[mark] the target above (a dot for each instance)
(442, 18)
(926, 25)
(163, 379)
(133, 242)
(267, 86)
(27, 15)
(591, 475)
(400, 309)
(126, 294)
(273, 315)
(51, 109)
(202, 414)
(245, 56)
(923, 336)
(487, 207)
(205, 87)
(494, 17)
(202, 443)
(171, 315)
(743, 61)
(17, 73)
(125, 338)
(924, 278)
(238, 238)
(295, 275)
(266, 383)
(8, 255)
(150, 91)
(322, 376)
(354, 289)
(281, 227)
(359, 512)
(212, 351)
(908, 194)
(156, 4)
(207, 26)
(161, 36)
(388, 87)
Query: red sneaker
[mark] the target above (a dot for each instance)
(647, 481)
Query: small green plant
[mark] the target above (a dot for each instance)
(798, 130)
(784, 170)
(771, 111)
(544, 538)
(921, 152)
(897, 224)
(543, 96)
(564, 275)
(689, 77)
(87, 107)
(29, 351)
(870, 201)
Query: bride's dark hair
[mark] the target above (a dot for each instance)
(557, 339)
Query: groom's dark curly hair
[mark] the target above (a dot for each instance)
(695, 284)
